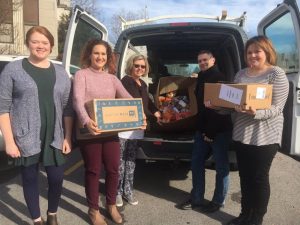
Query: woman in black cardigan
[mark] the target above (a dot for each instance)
(137, 66)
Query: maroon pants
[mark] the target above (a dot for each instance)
(95, 155)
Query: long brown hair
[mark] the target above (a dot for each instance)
(85, 60)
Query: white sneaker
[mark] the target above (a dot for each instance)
(119, 201)
(131, 200)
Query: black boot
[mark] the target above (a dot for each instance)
(256, 218)
(52, 219)
(243, 219)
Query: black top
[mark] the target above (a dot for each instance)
(210, 122)
(137, 91)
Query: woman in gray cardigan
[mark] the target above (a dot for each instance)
(36, 120)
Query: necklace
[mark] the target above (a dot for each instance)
(136, 79)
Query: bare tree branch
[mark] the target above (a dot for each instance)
(7, 34)
(115, 23)
(87, 5)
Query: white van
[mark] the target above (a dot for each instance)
(175, 46)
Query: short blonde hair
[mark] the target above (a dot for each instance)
(132, 59)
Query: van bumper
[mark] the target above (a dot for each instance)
(155, 149)
(158, 149)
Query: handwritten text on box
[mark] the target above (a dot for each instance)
(231, 94)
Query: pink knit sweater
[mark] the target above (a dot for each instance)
(89, 84)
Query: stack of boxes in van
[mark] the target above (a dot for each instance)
(184, 88)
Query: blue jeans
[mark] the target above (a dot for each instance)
(219, 147)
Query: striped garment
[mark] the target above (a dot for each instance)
(266, 126)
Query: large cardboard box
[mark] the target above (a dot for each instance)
(257, 96)
(112, 115)
(182, 86)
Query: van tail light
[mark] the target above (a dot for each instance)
(182, 24)
(157, 142)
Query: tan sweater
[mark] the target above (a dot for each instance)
(89, 84)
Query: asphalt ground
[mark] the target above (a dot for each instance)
(158, 187)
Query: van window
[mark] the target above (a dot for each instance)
(282, 34)
(81, 38)
(183, 69)
(161, 62)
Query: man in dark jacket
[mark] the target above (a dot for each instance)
(213, 134)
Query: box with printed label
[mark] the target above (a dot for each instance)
(113, 115)
(255, 95)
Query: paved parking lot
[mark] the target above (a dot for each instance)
(159, 187)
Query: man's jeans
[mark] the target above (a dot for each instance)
(219, 147)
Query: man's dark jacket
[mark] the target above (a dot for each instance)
(210, 122)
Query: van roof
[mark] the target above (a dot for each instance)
(240, 21)
(175, 39)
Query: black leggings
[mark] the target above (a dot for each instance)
(31, 187)
(254, 164)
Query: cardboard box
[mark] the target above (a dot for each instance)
(112, 115)
(182, 86)
(258, 96)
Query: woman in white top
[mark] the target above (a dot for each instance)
(137, 66)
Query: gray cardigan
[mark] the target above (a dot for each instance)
(19, 98)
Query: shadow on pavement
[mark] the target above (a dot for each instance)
(159, 175)
(7, 200)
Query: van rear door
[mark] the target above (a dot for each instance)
(82, 27)
(282, 26)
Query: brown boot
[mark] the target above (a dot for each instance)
(52, 219)
(96, 217)
(41, 222)
(114, 213)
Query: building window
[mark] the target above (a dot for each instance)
(31, 12)
(6, 21)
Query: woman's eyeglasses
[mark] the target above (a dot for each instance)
(139, 66)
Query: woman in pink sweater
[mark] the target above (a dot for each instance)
(95, 80)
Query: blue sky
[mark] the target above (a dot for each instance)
(256, 9)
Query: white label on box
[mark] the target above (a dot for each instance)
(261, 92)
(231, 94)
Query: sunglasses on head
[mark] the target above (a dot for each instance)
(138, 66)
